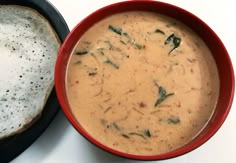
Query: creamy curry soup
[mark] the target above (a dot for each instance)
(142, 83)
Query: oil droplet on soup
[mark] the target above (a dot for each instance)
(142, 83)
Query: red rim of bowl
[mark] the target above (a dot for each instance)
(200, 27)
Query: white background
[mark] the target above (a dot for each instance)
(61, 142)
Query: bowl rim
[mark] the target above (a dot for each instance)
(66, 109)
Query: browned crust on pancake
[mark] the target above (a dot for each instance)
(40, 15)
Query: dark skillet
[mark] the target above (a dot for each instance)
(15, 145)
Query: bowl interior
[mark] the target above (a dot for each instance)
(217, 48)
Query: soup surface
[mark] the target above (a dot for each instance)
(142, 83)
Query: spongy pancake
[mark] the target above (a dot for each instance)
(28, 51)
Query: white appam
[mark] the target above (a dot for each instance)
(28, 51)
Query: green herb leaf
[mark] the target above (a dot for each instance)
(116, 126)
(122, 42)
(162, 91)
(81, 52)
(162, 96)
(147, 133)
(131, 40)
(159, 31)
(175, 40)
(138, 46)
(108, 61)
(126, 35)
(159, 101)
(169, 39)
(173, 120)
(117, 30)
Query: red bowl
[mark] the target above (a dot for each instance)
(217, 48)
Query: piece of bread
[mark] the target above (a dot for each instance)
(28, 51)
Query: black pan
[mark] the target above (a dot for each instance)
(15, 145)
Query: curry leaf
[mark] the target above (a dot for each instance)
(108, 61)
(81, 52)
(169, 39)
(138, 46)
(162, 95)
(159, 31)
(116, 126)
(175, 41)
(117, 30)
(147, 133)
(173, 120)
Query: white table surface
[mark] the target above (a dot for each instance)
(61, 142)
